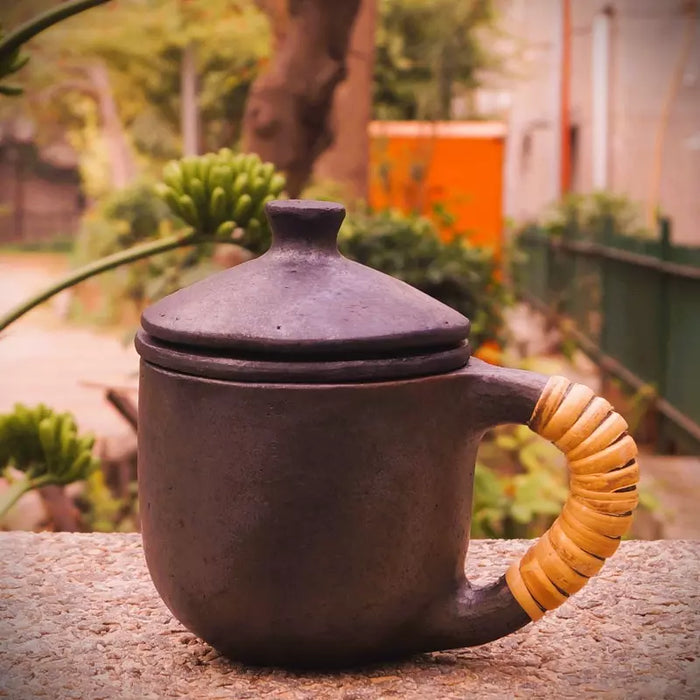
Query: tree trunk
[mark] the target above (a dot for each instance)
(188, 103)
(347, 159)
(278, 14)
(287, 114)
(120, 154)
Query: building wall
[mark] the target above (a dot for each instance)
(646, 42)
(35, 207)
(532, 69)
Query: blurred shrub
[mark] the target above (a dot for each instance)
(328, 190)
(125, 218)
(122, 219)
(520, 484)
(591, 214)
(408, 247)
(102, 511)
(430, 51)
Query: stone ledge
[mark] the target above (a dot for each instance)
(79, 618)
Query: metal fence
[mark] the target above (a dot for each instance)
(634, 305)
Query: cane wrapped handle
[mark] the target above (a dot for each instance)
(603, 495)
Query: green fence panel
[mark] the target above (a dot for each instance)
(585, 302)
(682, 380)
(561, 270)
(641, 246)
(684, 255)
(644, 316)
(532, 270)
(631, 318)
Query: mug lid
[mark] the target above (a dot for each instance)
(302, 301)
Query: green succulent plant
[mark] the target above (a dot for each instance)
(45, 446)
(222, 192)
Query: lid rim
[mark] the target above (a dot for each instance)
(411, 340)
(185, 360)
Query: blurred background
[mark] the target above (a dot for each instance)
(534, 164)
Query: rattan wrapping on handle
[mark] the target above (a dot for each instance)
(603, 494)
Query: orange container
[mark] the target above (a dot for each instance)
(417, 165)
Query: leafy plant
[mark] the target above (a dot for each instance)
(45, 447)
(519, 484)
(207, 192)
(140, 48)
(427, 52)
(408, 247)
(594, 214)
(10, 44)
(101, 511)
(127, 217)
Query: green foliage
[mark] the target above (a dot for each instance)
(42, 443)
(519, 484)
(10, 44)
(126, 218)
(45, 447)
(594, 215)
(408, 247)
(427, 52)
(329, 190)
(223, 194)
(101, 511)
(142, 44)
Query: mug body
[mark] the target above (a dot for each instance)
(300, 524)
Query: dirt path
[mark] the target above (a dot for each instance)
(44, 359)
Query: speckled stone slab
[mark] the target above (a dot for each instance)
(79, 618)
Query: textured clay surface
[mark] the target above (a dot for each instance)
(79, 618)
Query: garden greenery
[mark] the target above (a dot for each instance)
(39, 447)
(595, 215)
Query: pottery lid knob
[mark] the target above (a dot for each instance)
(303, 223)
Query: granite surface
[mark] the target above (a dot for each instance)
(79, 618)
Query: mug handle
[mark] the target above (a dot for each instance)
(603, 494)
(604, 474)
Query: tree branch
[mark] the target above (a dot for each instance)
(38, 24)
(82, 86)
(109, 262)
